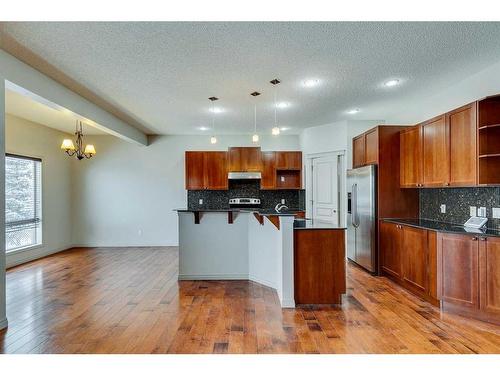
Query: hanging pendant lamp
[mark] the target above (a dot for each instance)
(213, 138)
(275, 130)
(255, 136)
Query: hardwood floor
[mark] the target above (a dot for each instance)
(128, 300)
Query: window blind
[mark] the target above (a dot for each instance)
(23, 179)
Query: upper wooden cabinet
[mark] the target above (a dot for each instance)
(268, 180)
(206, 170)
(291, 160)
(436, 159)
(371, 146)
(411, 157)
(245, 159)
(358, 151)
(463, 150)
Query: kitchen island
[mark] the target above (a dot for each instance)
(250, 244)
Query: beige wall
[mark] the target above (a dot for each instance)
(27, 138)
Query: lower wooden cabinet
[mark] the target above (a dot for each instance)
(469, 275)
(459, 255)
(408, 256)
(414, 258)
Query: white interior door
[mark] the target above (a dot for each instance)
(325, 205)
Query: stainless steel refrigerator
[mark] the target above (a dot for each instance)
(361, 216)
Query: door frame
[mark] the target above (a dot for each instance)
(341, 182)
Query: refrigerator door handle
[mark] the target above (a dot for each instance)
(354, 206)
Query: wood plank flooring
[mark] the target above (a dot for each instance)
(128, 300)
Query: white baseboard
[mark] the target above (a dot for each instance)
(288, 304)
(267, 283)
(25, 256)
(214, 277)
(3, 323)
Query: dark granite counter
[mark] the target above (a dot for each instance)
(301, 224)
(440, 226)
(247, 210)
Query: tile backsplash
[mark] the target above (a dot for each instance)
(219, 199)
(458, 201)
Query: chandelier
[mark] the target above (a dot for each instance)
(70, 148)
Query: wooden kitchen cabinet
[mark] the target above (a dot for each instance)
(268, 178)
(206, 170)
(358, 151)
(216, 170)
(195, 170)
(414, 258)
(489, 274)
(459, 271)
(436, 160)
(391, 245)
(411, 157)
(288, 160)
(371, 146)
(463, 149)
(245, 159)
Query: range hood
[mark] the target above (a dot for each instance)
(244, 176)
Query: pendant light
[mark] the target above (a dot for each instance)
(213, 138)
(255, 136)
(275, 130)
(79, 151)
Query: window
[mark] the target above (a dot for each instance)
(23, 227)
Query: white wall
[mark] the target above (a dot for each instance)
(30, 139)
(3, 314)
(125, 195)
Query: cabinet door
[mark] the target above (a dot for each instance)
(288, 160)
(268, 181)
(195, 170)
(371, 147)
(459, 270)
(463, 156)
(216, 170)
(358, 151)
(411, 157)
(489, 274)
(245, 159)
(436, 152)
(414, 254)
(390, 247)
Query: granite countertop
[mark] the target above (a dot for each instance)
(263, 212)
(301, 224)
(440, 226)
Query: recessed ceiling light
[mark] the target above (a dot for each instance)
(284, 128)
(391, 83)
(311, 82)
(216, 110)
(203, 128)
(282, 105)
(353, 111)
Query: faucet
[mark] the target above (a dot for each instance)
(280, 207)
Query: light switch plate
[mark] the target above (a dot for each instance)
(472, 211)
(481, 212)
(495, 212)
(200, 201)
(282, 178)
(442, 208)
(282, 201)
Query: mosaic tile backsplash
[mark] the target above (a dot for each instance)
(457, 201)
(219, 199)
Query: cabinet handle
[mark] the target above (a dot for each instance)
(447, 184)
(474, 238)
(482, 238)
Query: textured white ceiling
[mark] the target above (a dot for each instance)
(163, 73)
(25, 107)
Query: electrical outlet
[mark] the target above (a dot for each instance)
(282, 178)
(481, 212)
(200, 201)
(472, 211)
(495, 213)
(282, 201)
(442, 208)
